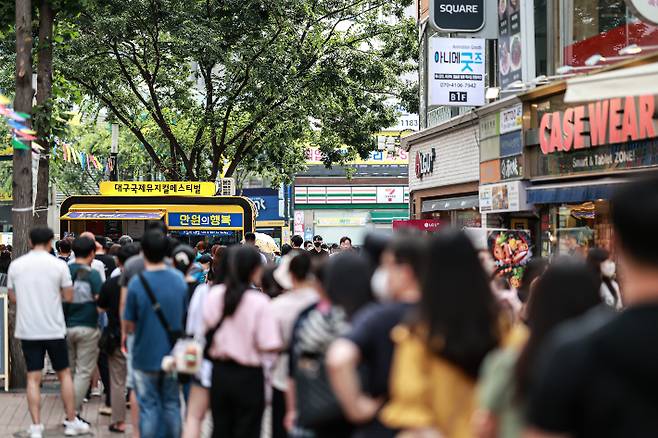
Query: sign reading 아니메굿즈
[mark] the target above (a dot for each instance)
(456, 71)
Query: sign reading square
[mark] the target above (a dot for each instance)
(457, 15)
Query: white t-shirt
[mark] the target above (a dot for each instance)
(37, 279)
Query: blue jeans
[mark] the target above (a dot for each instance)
(159, 405)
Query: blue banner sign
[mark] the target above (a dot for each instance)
(205, 220)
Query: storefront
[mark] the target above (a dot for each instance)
(271, 218)
(577, 155)
(444, 172)
(337, 211)
(190, 211)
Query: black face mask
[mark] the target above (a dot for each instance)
(317, 244)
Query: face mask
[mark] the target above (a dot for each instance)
(379, 285)
(608, 269)
(317, 244)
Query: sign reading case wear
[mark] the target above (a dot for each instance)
(457, 15)
(456, 71)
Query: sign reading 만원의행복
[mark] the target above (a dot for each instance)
(157, 188)
(204, 221)
(456, 71)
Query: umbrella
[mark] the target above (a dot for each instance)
(266, 244)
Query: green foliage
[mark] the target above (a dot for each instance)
(207, 85)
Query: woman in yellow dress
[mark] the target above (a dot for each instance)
(440, 350)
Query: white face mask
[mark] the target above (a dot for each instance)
(379, 285)
(608, 269)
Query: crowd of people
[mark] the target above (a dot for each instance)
(410, 336)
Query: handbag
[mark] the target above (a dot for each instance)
(108, 342)
(316, 401)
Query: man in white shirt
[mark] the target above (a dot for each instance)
(37, 282)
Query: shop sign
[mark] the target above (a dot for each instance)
(503, 197)
(647, 10)
(510, 167)
(204, 220)
(354, 221)
(103, 216)
(425, 163)
(269, 203)
(490, 171)
(597, 124)
(511, 144)
(314, 156)
(299, 223)
(390, 195)
(456, 71)
(511, 119)
(150, 188)
(418, 224)
(489, 126)
(511, 250)
(510, 48)
(630, 155)
(457, 15)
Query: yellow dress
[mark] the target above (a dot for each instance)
(429, 392)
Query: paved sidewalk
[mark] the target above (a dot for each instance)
(15, 419)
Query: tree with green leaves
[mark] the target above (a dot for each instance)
(206, 85)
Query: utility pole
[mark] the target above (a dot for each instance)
(22, 207)
(114, 154)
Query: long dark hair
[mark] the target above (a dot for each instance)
(347, 283)
(243, 262)
(595, 257)
(566, 290)
(219, 265)
(458, 314)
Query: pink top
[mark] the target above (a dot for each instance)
(247, 334)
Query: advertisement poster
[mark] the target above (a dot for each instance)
(575, 241)
(510, 57)
(456, 71)
(511, 250)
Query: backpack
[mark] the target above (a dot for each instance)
(82, 286)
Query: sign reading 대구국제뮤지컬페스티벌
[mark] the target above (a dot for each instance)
(456, 70)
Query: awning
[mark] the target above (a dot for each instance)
(113, 216)
(572, 192)
(388, 216)
(462, 203)
(633, 81)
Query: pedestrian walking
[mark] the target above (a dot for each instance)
(286, 309)
(198, 401)
(241, 329)
(597, 376)
(81, 315)
(154, 312)
(367, 347)
(38, 283)
(312, 404)
(567, 290)
(438, 354)
(64, 250)
(109, 301)
(602, 264)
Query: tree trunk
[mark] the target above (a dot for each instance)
(22, 172)
(44, 101)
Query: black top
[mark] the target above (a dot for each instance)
(108, 300)
(599, 377)
(371, 332)
(108, 261)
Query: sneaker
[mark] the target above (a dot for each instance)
(35, 431)
(76, 427)
(105, 410)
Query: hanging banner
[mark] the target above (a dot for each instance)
(456, 71)
(143, 188)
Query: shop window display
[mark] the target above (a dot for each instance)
(572, 229)
(603, 27)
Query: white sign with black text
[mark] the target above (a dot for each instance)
(456, 68)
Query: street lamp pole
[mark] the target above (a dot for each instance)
(114, 154)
